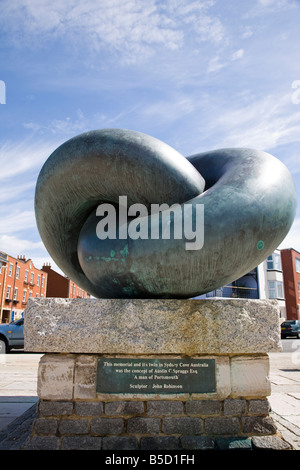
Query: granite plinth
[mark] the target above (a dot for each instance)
(80, 338)
(154, 326)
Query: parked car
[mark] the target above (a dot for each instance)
(290, 328)
(11, 336)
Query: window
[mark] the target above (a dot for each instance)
(18, 272)
(10, 269)
(43, 282)
(38, 280)
(276, 290)
(299, 290)
(274, 262)
(280, 290)
(298, 265)
(24, 295)
(31, 278)
(15, 293)
(26, 276)
(8, 292)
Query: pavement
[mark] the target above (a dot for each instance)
(18, 395)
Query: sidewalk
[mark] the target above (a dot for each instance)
(18, 373)
(285, 396)
(18, 397)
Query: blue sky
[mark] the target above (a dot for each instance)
(198, 75)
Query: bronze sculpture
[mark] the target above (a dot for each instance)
(248, 199)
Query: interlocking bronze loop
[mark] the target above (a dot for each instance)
(248, 198)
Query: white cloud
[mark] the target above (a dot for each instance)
(264, 123)
(263, 7)
(15, 246)
(17, 221)
(133, 28)
(170, 109)
(248, 32)
(20, 157)
(215, 65)
(35, 251)
(237, 54)
(7, 195)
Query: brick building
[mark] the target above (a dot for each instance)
(62, 286)
(291, 274)
(19, 280)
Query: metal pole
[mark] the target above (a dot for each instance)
(3, 291)
(13, 292)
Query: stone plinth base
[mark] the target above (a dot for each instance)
(75, 413)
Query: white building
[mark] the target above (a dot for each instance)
(270, 281)
(263, 282)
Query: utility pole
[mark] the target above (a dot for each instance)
(13, 292)
(3, 259)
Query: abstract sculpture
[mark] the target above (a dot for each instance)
(247, 200)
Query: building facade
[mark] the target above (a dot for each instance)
(291, 269)
(271, 281)
(19, 280)
(62, 286)
(245, 287)
(263, 282)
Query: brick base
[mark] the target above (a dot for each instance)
(154, 425)
(74, 414)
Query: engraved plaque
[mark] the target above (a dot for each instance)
(155, 376)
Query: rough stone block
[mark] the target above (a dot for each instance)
(249, 376)
(270, 443)
(46, 426)
(203, 407)
(80, 443)
(259, 407)
(89, 408)
(107, 426)
(257, 425)
(160, 442)
(235, 407)
(143, 425)
(185, 425)
(237, 443)
(120, 443)
(152, 326)
(55, 377)
(164, 407)
(73, 426)
(85, 377)
(43, 443)
(222, 425)
(197, 443)
(55, 408)
(124, 408)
